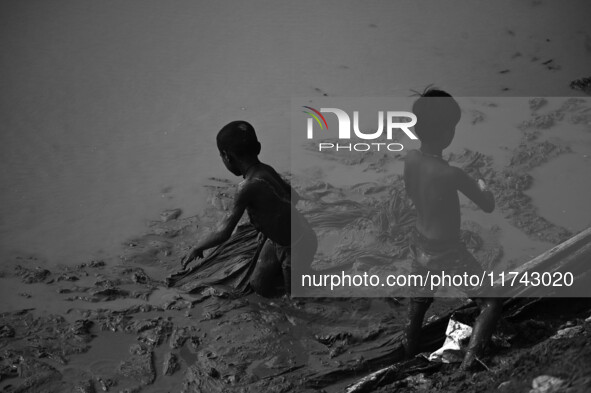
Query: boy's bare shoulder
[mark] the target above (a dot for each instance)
(416, 157)
(457, 172)
(412, 155)
(258, 182)
(247, 190)
(268, 170)
(247, 186)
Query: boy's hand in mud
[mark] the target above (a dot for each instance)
(192, 255)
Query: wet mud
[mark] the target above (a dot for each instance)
(548, 338)
(115, 324)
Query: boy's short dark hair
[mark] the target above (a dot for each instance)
(436, 111)
(238, 137)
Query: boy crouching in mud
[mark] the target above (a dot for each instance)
(433, 185)
(270, 203)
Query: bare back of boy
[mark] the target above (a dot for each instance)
(433, 186)
(269, 204)
(271, 211)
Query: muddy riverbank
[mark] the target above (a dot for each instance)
(113, 324)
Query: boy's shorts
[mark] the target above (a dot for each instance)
(432, 257)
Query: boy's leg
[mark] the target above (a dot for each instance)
(284, 256)
(417, 308)
(267, 272)
(302, 254)
(490, 312)
(418, 304)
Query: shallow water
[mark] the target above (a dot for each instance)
(108, 112)
(561, 190)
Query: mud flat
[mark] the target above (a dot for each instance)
(114, 324)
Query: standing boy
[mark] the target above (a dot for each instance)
(270, 203)
(433, 185)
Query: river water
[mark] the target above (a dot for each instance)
(109, 110)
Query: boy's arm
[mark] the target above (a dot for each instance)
(225, 228)
(475, 191)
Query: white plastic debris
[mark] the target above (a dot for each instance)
(546, 384)
(568, 332)
(451, 351)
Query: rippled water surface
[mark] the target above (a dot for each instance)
(108, 111)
